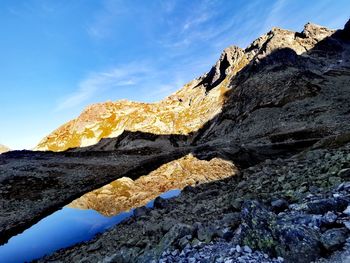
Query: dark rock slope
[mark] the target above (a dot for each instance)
(285, 123)
(291, 208)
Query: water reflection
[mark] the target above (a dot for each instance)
(61, 229)
(124, 193)
(102, 208)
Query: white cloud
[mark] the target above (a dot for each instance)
(100, 81)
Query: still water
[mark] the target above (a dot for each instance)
(61, 229)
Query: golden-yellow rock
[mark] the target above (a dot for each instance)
(124, 193)
(3, 149)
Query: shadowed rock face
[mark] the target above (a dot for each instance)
(294, 88)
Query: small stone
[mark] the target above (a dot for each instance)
(329, 218)
(184, 240)
(279, 205)
(247, 249)
(188, 246)
(175, 252)
(238, 248)
(195, 242)
(347, 224)
(140, 211)
(347, 211)
(229, 261)
(344, 172)
(280, 259)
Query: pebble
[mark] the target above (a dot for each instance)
(238, 249)
(330, 217)
(347, 224)
(347, 211)
(247, 249)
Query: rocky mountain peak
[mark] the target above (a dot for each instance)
(199, 101)
(230, 62)
(316, 31)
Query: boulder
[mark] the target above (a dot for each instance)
(262, 230)
(329, 204)
(333, 239)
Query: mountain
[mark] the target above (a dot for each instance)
(271, 156)
(202, 100)
(181, 113)
(3, 149)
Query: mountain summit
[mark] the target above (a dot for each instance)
(199, 101)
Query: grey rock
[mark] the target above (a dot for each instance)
(347, 211)
(347, 224)
(159, 202)
(140, 211)
(279, 205)
(334, 238)
(324, 205)
(329, 218)
(247, 249)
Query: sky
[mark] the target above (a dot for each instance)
(58, 56)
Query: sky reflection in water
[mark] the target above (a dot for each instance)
(61, 229)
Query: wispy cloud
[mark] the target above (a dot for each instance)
(213, 24)
(101, 25)
(98, 82)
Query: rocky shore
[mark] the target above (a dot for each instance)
(284, 210)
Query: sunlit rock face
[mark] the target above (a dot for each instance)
(181, 113)
(186, 110)
(3, 149)
(124, 194)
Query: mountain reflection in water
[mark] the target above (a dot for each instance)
(61, 229)
(125, 193)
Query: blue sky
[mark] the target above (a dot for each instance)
(59, 56)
